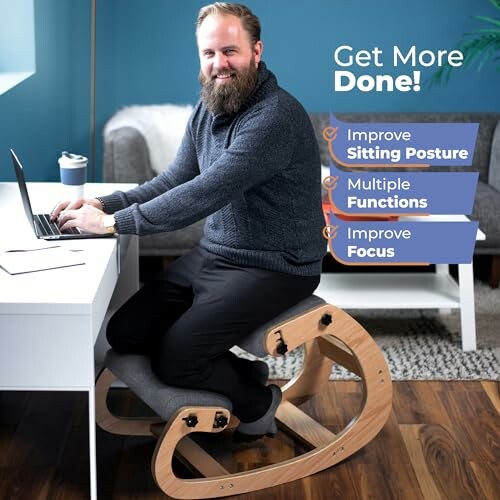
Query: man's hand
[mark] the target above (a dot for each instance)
(87, 218)
(73, 205)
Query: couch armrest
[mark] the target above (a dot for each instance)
(133, 139)
(126, 156)
(494, 169)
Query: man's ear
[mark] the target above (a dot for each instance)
(257, 51)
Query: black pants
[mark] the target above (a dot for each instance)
(188, 318)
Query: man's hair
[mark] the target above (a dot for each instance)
(249, 20)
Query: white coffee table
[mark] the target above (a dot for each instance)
(436, 290)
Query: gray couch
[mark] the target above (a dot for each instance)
(126, 159)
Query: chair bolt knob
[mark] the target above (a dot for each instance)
(281, 348)
(191, 421)
(220, 421)
(326, 319)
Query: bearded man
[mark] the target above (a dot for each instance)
(249, 163)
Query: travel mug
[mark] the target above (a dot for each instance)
(73, 170)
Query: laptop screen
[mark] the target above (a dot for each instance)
(22, 188)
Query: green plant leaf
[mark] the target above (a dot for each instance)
(477, 51)
(484, 30)
(479, 47)
(496, 22)
(482, 45)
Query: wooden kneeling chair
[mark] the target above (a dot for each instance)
(328, 335)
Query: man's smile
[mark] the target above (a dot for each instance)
(224, 77)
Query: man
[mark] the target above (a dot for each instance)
(249, 163)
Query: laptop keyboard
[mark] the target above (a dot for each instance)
(49, 228)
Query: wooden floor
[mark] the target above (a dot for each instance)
(441, 441)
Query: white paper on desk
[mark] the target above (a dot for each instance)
(42, 259)
(25, 244)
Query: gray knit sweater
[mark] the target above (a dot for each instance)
(255, 176)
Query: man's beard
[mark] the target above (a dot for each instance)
(228, 97)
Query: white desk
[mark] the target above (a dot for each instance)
(50, 320)
(409, 290)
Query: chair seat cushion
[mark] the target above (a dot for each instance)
(254, 343)
(135, 371)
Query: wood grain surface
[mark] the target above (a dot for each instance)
(442, 441)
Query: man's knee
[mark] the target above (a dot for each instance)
(120, 334)
(113, 335)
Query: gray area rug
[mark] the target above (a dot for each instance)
(422, 344)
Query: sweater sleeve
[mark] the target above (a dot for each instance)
(260, 148)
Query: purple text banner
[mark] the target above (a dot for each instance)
(402, 192)
(400, 144)
(401, 242)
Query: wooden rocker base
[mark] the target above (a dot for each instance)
(328, 335)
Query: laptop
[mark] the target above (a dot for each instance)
(42, 226)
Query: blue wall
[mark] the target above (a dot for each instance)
(49, 112)
(150, 52)
(154, 58)
(146, 53)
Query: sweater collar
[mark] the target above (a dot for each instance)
(266, 80)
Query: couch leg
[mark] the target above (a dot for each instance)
(494, 278)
